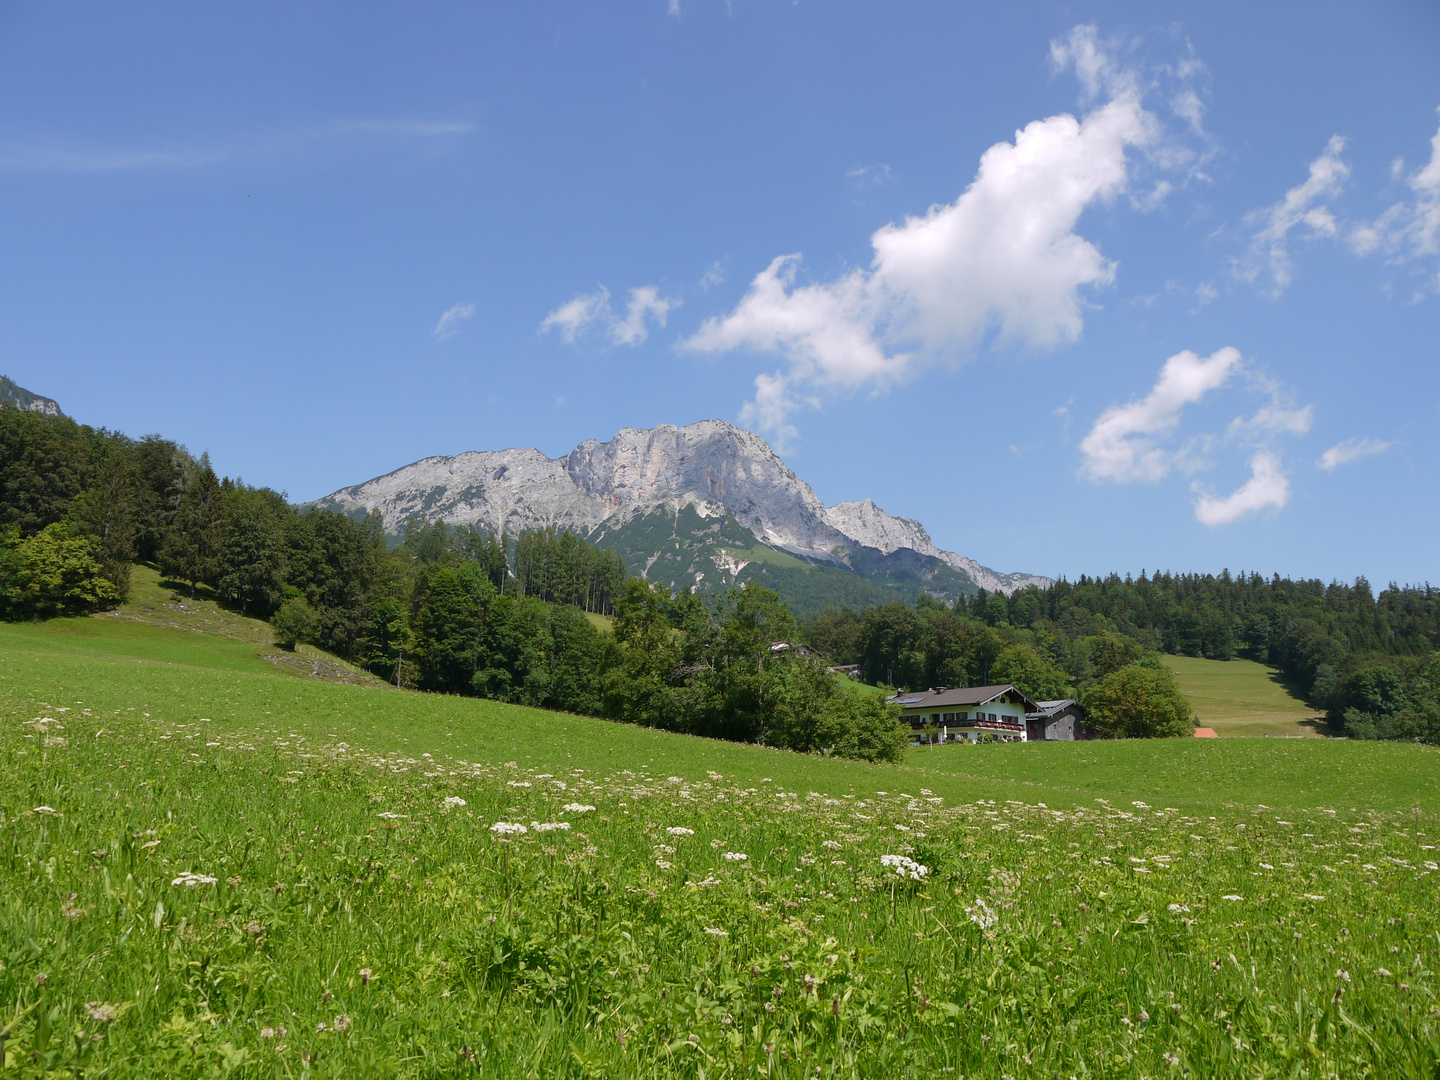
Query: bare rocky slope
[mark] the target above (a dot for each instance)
(20, 398)
(707, 501)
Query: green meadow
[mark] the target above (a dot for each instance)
(1241, 697)
(219, 860)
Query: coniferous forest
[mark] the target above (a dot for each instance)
(457, 610)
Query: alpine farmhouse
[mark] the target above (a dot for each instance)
(987, 714)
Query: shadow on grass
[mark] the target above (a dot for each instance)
(1319, 724)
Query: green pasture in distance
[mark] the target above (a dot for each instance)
(1192, 774)
(1241, 697)
(126, 670)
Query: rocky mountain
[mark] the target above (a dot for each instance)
(703, 506)
(20, 398)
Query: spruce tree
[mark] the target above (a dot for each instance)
(192, 550)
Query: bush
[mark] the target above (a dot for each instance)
(1138, 702)
(296, 621)
(864, 727)
(55, 572)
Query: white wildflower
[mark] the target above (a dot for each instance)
(190, 879)
(982, 914)
(834, 845)
(517, 783)
(577, 808)
(735, 856)
(680, 830)
(391, 816)
(662, 864)
(1231, 896)
(507, 828)
(550, 826)
(715, 931)
(43, 810)
(905, 867)
(452, 802)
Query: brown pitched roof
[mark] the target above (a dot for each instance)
(962, 697)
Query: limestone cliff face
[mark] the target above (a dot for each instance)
(20, 398)
(711, 466)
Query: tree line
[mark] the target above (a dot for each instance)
(459, 610)
(1369, 661)
(450, 609)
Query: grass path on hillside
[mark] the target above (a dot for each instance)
(1242, 698)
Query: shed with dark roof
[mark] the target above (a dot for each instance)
(1056, 721)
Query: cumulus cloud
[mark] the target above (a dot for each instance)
(1268, 486)
(449, 324)
(1004, 257)
(1307, 206)
(1408, 230)
(575, 317)
(1139, 441)
(1122, 446)
(1343, 453)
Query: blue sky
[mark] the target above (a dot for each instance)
(1081, 287)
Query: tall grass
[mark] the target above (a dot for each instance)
(197, 898)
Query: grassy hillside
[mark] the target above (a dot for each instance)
(212, 866)
(118, 667)
(207, 633)
(1241, 697)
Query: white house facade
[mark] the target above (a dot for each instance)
(966, 714)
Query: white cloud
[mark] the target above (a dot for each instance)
(1268, 486)
(1140, 441)
(449, 324)
(1275, 418)
(645, 303)
(1305, 205)
(1350, 450)
(1004, 256)
(1094, 63)
(715, 275)
(1122, 446)
(1408, 230)
(574, 317)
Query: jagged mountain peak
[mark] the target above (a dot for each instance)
(712, 467)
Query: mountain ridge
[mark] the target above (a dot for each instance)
(601, 489)
(17, 396)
